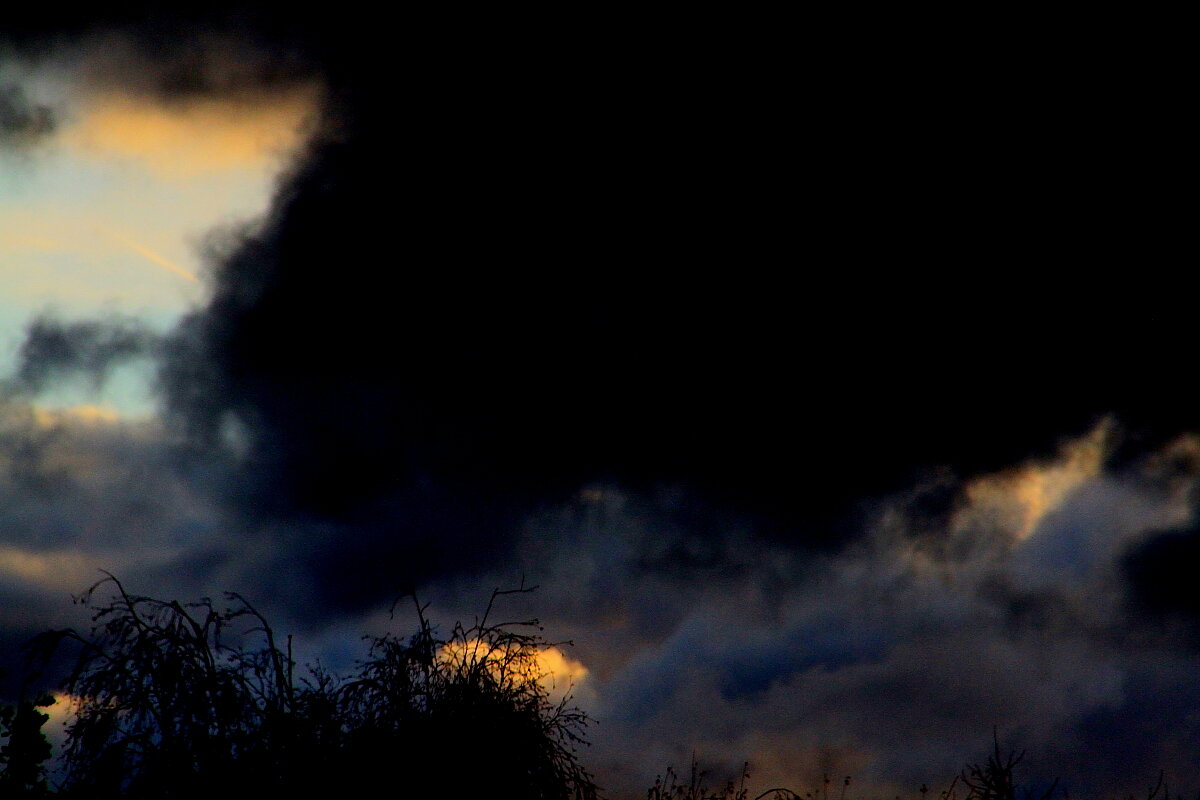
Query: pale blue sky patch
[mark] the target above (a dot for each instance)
(108, 215)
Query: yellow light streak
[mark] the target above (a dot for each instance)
(151, 256)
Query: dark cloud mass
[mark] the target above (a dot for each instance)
(510, 264)
(739, 338)
(1162, 573)
(534, 266)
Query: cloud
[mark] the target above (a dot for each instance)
(171, 59)
(573, 280)
(1031, 491)
(1161, 571)
(197, 137)
(83, 490)
(890, 658)
(22, 122)
(72, 478)
(54, 349)
(62, 570)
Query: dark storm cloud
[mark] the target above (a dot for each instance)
(542, 262)
(54, 349)
(22, 121)
(1162, 573)
(1158, 571)
(236, 52)
(557, 275)
(180, 65)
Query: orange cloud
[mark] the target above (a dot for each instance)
(202, 136)
(51, 569)
(1018, 499)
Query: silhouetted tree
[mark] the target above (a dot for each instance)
(165, 706)
(171, 704)
(994, 779)
(25, 750)
(469, 713)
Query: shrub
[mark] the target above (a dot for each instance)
(470, 712)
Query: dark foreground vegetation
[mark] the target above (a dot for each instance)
(170, 703)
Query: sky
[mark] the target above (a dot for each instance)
(836, 399)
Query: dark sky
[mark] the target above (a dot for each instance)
(832, 377)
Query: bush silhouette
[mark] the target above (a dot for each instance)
(470, 712)
(173, 703)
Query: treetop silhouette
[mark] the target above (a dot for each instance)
(193, 700)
